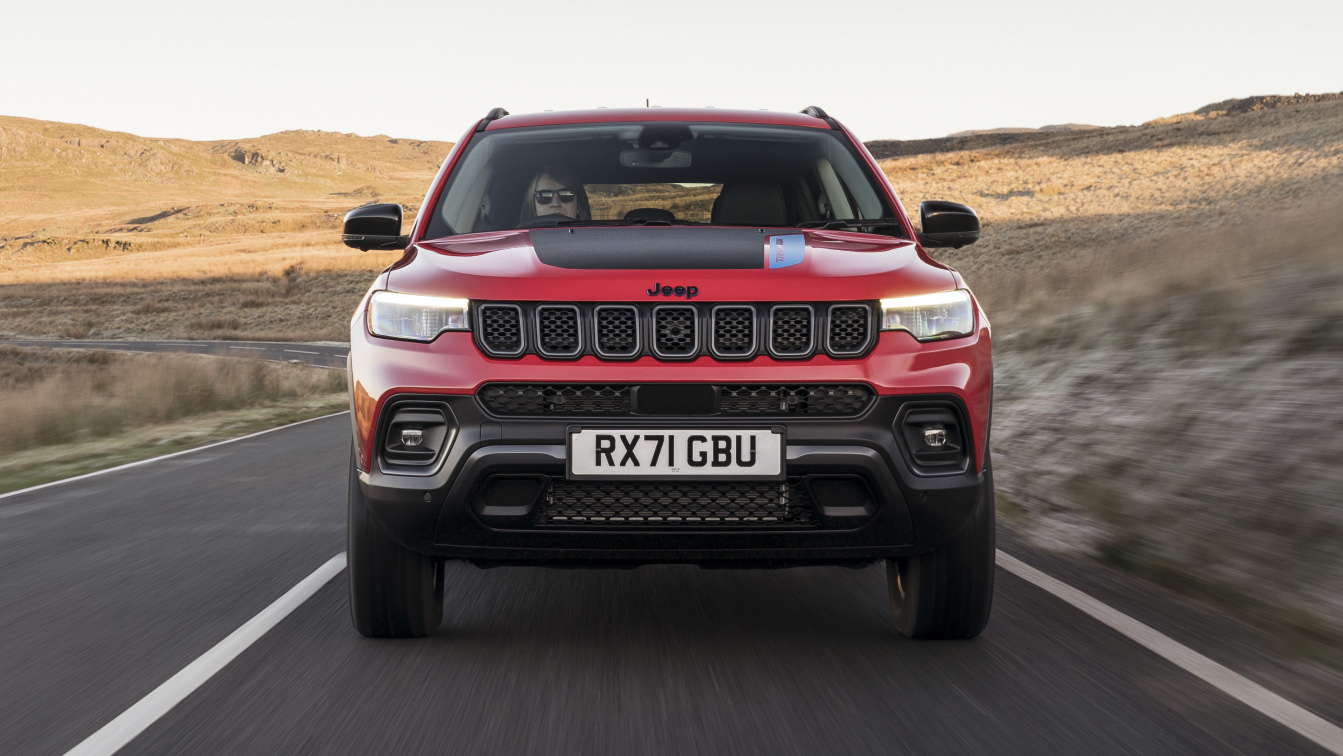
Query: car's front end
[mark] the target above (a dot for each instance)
(777, 383)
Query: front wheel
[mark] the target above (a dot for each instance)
(394, 592)
(947, 593)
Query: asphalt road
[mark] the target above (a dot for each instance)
(111, 584)
(320, 355)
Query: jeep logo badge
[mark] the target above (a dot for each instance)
(689, 292)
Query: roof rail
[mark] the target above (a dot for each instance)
(490, 116)
(820, 113)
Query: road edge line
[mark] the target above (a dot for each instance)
(1317, 729)
(114, 735)
(161, 457)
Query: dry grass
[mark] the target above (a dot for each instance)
(83, 204)
(1058, 199)
(50, 397)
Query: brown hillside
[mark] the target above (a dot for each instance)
(76, 196)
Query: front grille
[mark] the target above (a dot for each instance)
(669, 504)
(790, 330)
(562, 399)
(849, 327)
(672, 331)
(675, 331)
(501, 329)
(617, 330)
(733, 331)
(558, 331)
(832, 400)
(613, 400)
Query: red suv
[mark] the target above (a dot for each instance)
(622, 337)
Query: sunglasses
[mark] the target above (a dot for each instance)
(547, 196)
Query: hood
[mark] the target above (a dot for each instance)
(627, 264)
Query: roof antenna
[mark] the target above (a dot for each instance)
(646, 102)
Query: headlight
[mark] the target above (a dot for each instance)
(930, 317)
(408, 316)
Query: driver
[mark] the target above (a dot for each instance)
(555, 191)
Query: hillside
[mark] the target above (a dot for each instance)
(75, 197)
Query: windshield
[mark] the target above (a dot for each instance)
(660, 173)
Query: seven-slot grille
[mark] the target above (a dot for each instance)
(625, 331)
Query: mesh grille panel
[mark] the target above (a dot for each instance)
(558, 329)
(617, 331)
(501, 328)
(675, 331)
(676, 504)
(848, 328)
(833, 400)
(733, 331)
(524, 399)
(810, 400)
(790, 330)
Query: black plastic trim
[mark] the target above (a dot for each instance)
(653, 334)
(578, 325)
(755, 331)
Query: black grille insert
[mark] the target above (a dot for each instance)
(756, 400)
(849, 328)
(559, 399)
(558, 332)
(790, 331)
(617, 330)
(675, 331)
(674, 504)
(830, 400)
(733, 331)
(501, 329)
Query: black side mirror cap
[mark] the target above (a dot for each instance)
(374, 227)
(947, 224)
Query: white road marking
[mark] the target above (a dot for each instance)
(300, 351)
(165, 456)
(135, 720)
(260, 349)
(1239, 687)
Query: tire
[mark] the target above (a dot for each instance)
(947, 593)
(394, 592)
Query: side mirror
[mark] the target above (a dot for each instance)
(374, 227)
(947, 224)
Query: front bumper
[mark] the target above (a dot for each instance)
(443, 512)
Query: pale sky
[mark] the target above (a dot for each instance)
(427, 70)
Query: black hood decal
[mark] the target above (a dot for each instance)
(651, 248)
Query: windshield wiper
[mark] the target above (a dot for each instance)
(853, 223)
(628, 222)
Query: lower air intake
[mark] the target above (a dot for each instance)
(676, 505)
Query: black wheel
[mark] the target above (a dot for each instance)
(947, 593)
(394, 592)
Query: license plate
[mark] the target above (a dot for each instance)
(662, 453)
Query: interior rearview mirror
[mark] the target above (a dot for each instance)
(947, 224)
(374, 227)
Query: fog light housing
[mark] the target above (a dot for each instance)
(416, 435)
(934, 437)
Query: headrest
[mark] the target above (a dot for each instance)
(750, 203)
(650, 213)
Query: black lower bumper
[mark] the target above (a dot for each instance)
(499, 496)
